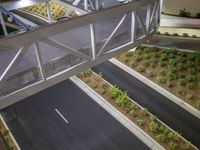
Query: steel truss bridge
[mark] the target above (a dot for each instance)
(41, 57)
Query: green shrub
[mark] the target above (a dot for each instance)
(166, 131)
(115, 92)
(182, 81)
(171, 76)
(184, 13)
(162, 72)
(163, 57)
(141, 69)
(133, 106)
(180, 66)
(126, 60)
(138, 51)
(153, 118)
(162, 128)
(140, 122)
(166, 33)
(198, 85)
(165, 51)
(175, 34)
(104, 86)
(173, 135)
(187, 146)
(190, 78)
(158, 33)
(147, 56)
(147, 50)
(172, 69)
(128, 54)
(189, 96)
(192, 70)
(170, 84)
(154, 49)
(133, 113)
(122, 100)
(194, 36)
(172, 62)
(87, 81)
(103, 92)
(144, 112)
(190, 64)
(181, 59)
(163, 63)
(154, 55)
(161, 80)
(133, 63)
(160, 138)
(182, 54)
(191, 57)
(191, 85)
(146, 63)
(94, 86)
(185, 35)
(153, 126)
(173, 145)
(138, 58)
(150, 73)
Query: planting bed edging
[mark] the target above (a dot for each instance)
(156, 87)
(149, 141)
(10, 134)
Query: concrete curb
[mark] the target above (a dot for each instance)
(165, 47)
(10, 134)
(156, 87)
(144, 137)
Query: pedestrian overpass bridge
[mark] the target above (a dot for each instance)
(33, 60)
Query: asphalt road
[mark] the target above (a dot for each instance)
(181, 43)
(174, 116)
(39, 127)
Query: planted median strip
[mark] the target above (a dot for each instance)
(176, 71)
(138, 115)
(6, 141)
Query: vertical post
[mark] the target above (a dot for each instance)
(93, 40)
(148, 17)
(86, 4)
(49, 12)
(3, 25)
(133, 26)
(97, 4)
(39, 59)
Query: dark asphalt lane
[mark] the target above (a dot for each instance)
(39, 127)
(181, 43)
(167, 111)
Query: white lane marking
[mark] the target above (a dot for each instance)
(61, 116)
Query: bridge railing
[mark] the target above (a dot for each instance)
(79, 43)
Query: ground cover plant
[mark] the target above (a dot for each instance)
(176, 71)
(140, 116)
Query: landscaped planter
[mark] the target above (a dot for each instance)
(138, 115)
(178, 72)
(57, 11)
(5, 137)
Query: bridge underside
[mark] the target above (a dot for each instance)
(38, 59)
